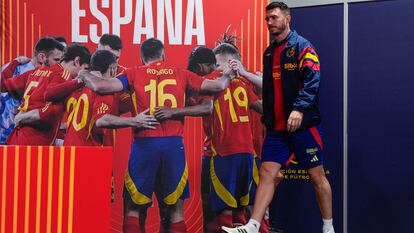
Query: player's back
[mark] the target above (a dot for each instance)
(161, 85)
(230, 121)
(37, 83)
(44, 131)
(84, 107)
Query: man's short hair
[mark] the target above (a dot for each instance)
(77, 50)
(46, 45)
(281, 5)
(60, 39)
(227, 49)
(111, 40)
(200, 55)
(101, 60)
(152, 49)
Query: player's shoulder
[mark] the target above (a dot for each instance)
(58, 70)
(241, 82)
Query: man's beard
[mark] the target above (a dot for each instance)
(281, 29)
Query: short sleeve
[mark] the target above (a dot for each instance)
(193, 81)
(102, 106)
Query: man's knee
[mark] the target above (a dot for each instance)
(176, 212)
(270, 171)
(318, 177)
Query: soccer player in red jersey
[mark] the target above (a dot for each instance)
(122, 100)
(157, 156)
(232, 145)
(90, 112)
(46, 52)
(202, 61)
(38, 121)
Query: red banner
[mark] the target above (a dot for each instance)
(55, 189)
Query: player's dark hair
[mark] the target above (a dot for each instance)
(152, 49)
(111, 40)
(200, 55)
(46, 45)
(227, 45)
(76, 50)
(60, 39)
(281, 5)
(101, 60)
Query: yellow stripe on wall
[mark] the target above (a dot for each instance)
(71, 188)
(10, 32)
(49, 190)
(16, 188)
(248, 39)
(27, 197)
(39, 187)
(60, 194)
(3, 191)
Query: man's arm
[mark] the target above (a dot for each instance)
(27, 118)
(209, 87)
(57, 92)
(142, 121)
(202, 109)
(255, 79)
(310, 71)
(257, 106)
(14, 86)
(102, 86)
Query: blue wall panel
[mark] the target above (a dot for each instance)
(381, 113)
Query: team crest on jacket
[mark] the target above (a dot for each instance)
(290, 52)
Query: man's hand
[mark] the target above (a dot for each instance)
(27, 118)
(18, 119)
(145, 121)
(228, 71)
(22, 60)
(294, 121)
(238, 67)
(163, 113)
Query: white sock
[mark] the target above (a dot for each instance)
(253, 224)
(327, 225)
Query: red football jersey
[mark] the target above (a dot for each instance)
(85, 108)
(230, 122)
(159, 85)
(122, 103)
(257, 132)
(36, 82)
(197, 99)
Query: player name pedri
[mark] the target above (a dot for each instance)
(160, 72)
(42, 73)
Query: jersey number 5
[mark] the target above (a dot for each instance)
(158, 91)
(26, 95)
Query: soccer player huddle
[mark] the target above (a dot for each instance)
(63, 95)
(78, 98)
